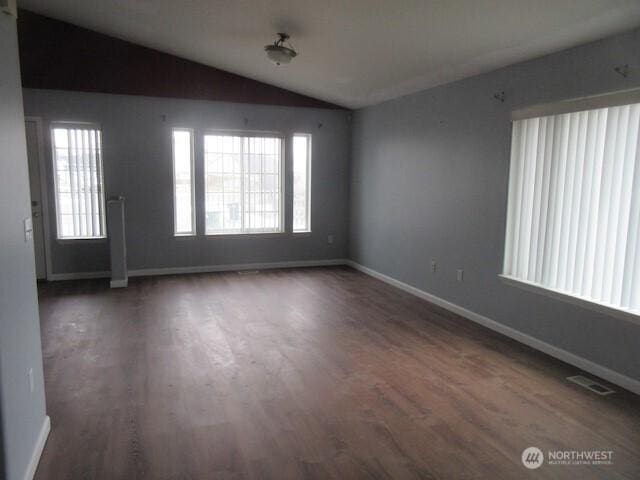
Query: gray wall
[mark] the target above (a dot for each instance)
(137, 164)
(22, 413)
(429, 181)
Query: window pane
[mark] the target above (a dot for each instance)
(78, 182)
(183, 182)
(301, 183)
(238, 172)
(574, 205)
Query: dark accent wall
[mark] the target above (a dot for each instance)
(56, 55)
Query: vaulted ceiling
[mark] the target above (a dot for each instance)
(358, 52)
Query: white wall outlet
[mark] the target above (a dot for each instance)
(460, 275)
(30, 378)
(329, 238)
(28, 229)
(434, 266)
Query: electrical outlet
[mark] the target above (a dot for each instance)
(434, 266)
(30, 378)
(460, 275)
(329, 238)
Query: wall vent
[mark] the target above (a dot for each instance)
(590, 384)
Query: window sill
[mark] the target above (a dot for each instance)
(245, 235)
(302, 233)
(620, 313)
(82, 240)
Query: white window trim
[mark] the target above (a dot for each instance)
(80, 125)
(309, 173)
(194, 230)
(589, 304)
(281, 170)
(605, 100)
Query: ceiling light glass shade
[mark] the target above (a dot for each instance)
(280, 55)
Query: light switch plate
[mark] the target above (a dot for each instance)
(28, 229)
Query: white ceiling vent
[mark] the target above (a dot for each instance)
(590, 384)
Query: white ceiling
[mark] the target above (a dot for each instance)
(353, 52)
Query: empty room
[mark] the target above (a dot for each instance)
(280, 239)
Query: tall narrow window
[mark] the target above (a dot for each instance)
(243, 191)
(183, 190)
(301, 183)
(78, 179)
(573, 222)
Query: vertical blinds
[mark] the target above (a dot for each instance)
(574, 205)
(78, 182)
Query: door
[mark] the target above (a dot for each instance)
(35, 182)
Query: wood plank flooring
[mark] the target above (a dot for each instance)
(318, 373)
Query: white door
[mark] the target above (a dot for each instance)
(33, 155)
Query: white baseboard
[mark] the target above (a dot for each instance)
(119, 283)
(236, 267)
(54, 277)
(582, 363)
(147, 272)
(38, 448)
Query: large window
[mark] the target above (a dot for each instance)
(184, 223)
(79, 192)
(301, 183)
(243, 191)
(573, 223)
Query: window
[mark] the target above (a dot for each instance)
(243, 191)
(184, 223)
(79, 191)
(301, 183)
(573, 222)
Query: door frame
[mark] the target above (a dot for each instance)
(44, 193)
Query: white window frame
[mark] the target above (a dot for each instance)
(281, 169)
(607, 100)
(309, 138)
(193, 231)
(62, 124)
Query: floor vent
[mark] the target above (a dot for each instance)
(248, 272)
(591, 385)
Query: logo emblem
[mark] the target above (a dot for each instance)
(532, 458)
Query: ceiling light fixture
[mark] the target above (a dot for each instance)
(278, 53)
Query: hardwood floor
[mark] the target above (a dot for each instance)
(303, 374)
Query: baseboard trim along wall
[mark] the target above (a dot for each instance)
(38, 448)
(54, 277)
(236, 267)
(147, 272)
(612, 376)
